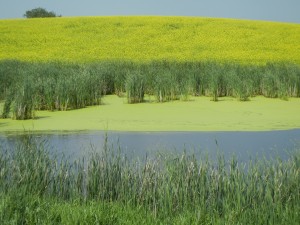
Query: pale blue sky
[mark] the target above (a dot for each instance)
(273, 10)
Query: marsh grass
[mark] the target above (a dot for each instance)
(26, 87)
(135, 87)
(36, 187)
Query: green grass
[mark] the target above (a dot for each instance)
(164, 189)
(197, 114)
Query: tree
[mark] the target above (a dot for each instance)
(39, 13)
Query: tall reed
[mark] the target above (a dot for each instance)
(163, 186)
(135, 87)
(67, 86)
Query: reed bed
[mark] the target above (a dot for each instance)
(26, 87)
(39, 187)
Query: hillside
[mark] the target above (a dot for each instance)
(86, 39)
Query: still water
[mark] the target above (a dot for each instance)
(139, 144)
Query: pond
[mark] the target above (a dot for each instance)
(244, 145)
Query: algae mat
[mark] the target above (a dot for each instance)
(198, 114)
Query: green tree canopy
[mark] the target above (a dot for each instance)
(39, 13)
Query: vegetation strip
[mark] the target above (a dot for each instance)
(36, 187)
(26, 87)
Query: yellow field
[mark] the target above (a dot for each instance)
(85, 39)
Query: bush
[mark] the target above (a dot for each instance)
(39, 13)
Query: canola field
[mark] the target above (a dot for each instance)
(153, 38)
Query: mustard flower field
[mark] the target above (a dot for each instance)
(143, 39)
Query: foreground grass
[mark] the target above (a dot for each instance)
(52, 211)
(36, 188)
(197, 114)
(144, 38)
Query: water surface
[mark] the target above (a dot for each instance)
(139, 144)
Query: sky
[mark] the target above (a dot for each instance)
(271, 10)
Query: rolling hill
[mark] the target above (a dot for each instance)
(149, 38)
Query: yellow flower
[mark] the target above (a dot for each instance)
(84, 39)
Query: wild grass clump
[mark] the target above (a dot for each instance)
(163, 188)
(9, 74)
(21, 101)
(135, 87)
(241, 85)
(23, 106)
(166, 87)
